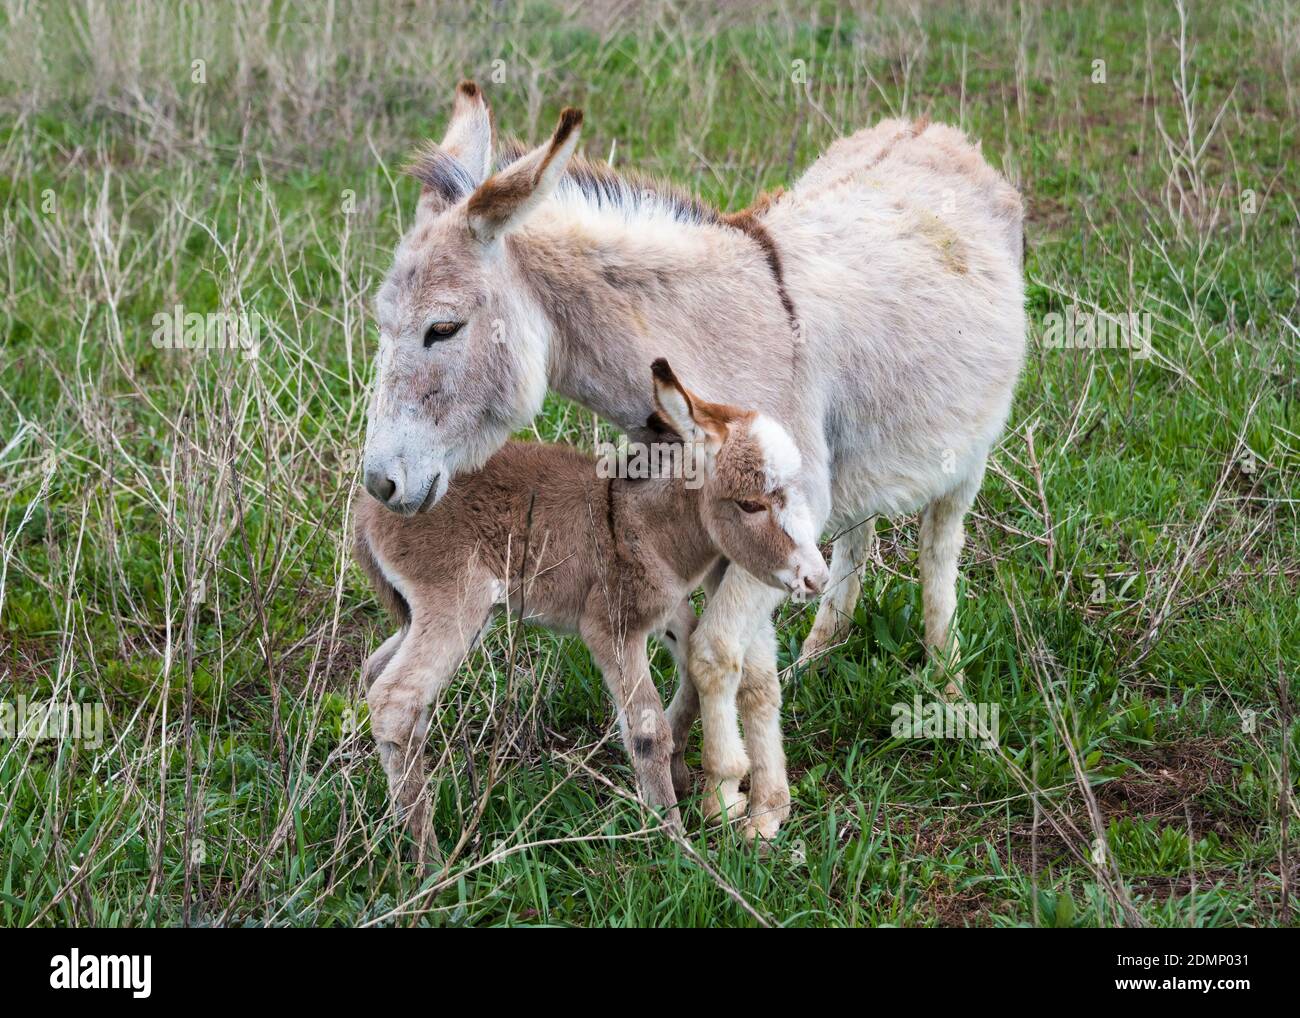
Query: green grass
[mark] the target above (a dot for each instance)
(174, 523)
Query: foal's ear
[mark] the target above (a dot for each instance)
(687, 415)
(505, 199)
(469, 132)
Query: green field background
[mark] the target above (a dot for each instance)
(173, 524)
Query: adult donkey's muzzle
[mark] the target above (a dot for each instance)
(390, 483)
(381, 486)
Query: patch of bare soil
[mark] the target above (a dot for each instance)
(1171, 782)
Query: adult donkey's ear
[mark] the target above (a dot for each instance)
(503, 201)
(469, 132)
(449, 172)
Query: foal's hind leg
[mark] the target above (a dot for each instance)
(940, 542)
(849, 555)
(685, 707)
(378, 661)
(444, 628)
(626, 668)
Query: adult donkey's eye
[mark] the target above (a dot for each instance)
(750, 507)
(440, 330)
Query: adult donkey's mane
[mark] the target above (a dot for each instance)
(442, 173)
(593, 182)
(628, 192)
(597, 187)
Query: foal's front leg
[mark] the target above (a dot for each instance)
(759, 700)
(685, 706)
(379, 660)
(738, 611)
(423, 665)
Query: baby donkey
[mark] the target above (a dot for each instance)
(537, 530)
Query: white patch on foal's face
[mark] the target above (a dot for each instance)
(758, 515)
(806, 570)
(779, 451)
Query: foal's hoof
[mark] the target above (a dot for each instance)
(422, 841)
(681, 777)
(723, 808)
(761, 830)
(426, 854)
(766, 817)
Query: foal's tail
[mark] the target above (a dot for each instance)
(389, 596)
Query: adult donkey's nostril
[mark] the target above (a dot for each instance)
(381, 487)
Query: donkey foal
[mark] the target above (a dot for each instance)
(614, 560)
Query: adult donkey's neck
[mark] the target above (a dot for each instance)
(620, 291)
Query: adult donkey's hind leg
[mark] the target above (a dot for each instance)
(849, 555)
(939, 545)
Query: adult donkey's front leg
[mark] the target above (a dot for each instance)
(738, 612)
(851, 552)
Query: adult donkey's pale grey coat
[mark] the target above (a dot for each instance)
(875, 309)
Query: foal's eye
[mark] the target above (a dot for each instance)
(440, 330)
(750, 507)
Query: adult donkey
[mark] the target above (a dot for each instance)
(875, 309)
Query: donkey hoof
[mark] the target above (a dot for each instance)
(816, 648)
(721, 808)
(761, 837)
(767, 814)
(681, 777)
